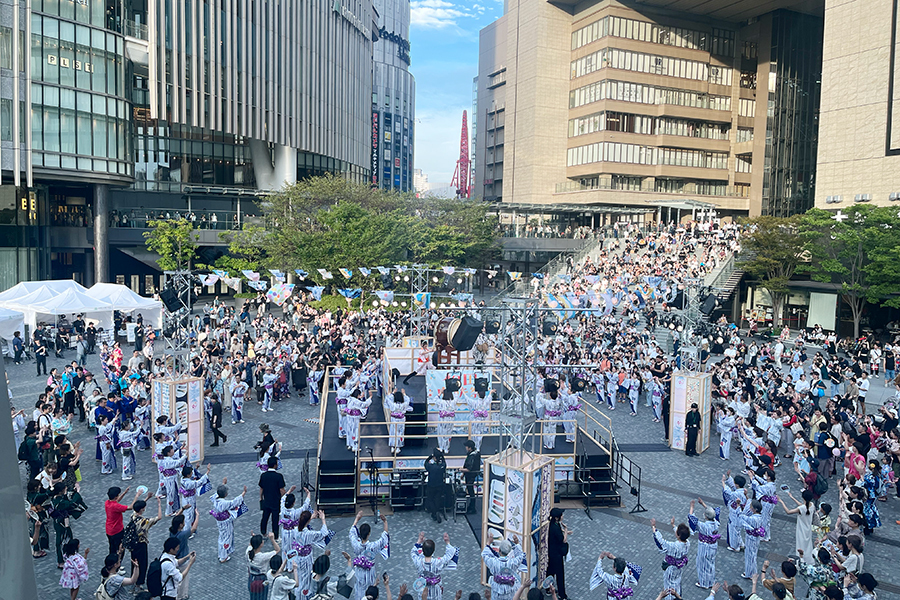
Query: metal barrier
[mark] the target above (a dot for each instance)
(629, 472)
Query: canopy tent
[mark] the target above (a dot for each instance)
(24, 288)
(11, 321)
(124, 299)
(72, 302)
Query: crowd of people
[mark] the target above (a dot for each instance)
(772, 401)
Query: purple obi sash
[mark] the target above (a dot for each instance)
(758, 532)
(678, 563)
(262, 466)
(735, 505)
(363, 562)
(480, 414)
(398, 415)
(445, 414)
(432, 581)
(169, 472)
(341, 401)
(708, 539)
(288, 524)
(220, 516)
(620, 593)
(304, 550)
(354, 412)
(771, 499)
(187, 493)
(552, 413)
(503, 579)
(125, 444)
(573, 409)
(103, 438)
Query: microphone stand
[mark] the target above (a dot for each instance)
(373, 477)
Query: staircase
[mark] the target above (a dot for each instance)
(594, 471)
(337, 485)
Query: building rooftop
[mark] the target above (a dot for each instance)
(723, 10)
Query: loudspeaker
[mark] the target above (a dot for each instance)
(170, 298)
(492, 326)
(452, 384)
(549, 326)
(709, 304)
(466, 334)
(481, 384)
(576, 384)
(551, 385)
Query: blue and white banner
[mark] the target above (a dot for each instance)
(325, 274)
(347, 273)
(316, 291)
(350, 293)
(385, 295)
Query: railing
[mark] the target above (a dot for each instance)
(137, 30)
(649, 185)
(220, 220)
(629, 472)
(718, 276)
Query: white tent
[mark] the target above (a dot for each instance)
(73, 302)
(26, 287)
(11, 321)
(125, 300)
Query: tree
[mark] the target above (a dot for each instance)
(175, 242)
(773, 247)
(858, 251)
(245, 250)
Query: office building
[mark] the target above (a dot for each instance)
(393, 100)
(859, 150)
(131, 110)
(636, 105)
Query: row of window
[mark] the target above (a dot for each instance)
(98, 13)
(742, 165)
(644, 155)
(744, 134)
(76, 56)
(71, 131)
(720, 42)
(639, 62)
(746, 107)
(609, 89)
(629, 123)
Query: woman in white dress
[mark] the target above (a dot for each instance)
(398, 405)
(804, 510)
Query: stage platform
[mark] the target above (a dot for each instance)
(345, 477)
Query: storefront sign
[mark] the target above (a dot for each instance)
(374, 147)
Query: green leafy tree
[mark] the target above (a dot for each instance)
(858, 251)
(175, 242)
(773, 248)
(246, 250)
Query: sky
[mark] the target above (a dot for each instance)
(444, 53)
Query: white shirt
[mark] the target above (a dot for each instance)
(863, 387)
(280, 586)
(171, 576)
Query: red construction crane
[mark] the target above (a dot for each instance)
(461, 174)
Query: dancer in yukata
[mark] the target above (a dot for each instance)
(503, 565)
(365, 551)
(753, 526)
(168, 467)
(446, 407)
(303, 541)
(571, 404)
(191, 487)
(398, 405)
(620, 584)
(708, 536)
(480, 406)
(735, 497)
(105, 431)
(764, 491)
(353, 413)
(725, 421)
(128, 441)
(430, 568)
(225, 511)
(676, 554)
(238, 392)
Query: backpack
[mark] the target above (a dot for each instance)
(102, 593)
(130, 535)
(155, 582)
(23, 450)
(820, 487)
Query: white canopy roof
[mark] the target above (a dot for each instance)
(124, 299)
(11, 321)
(26, 287)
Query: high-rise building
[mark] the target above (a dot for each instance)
(420, 181)
(114, 113)
(393, 100)
(634, 104)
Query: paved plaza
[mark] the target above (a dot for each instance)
(670, 481)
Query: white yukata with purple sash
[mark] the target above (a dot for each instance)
(503, 571)
(708, 538)
(238, 391)
(446, 417)
(480, 408)
(736, 500)
(225, 511)
(676, 558)
(430, 570)
(128, 444)
(303, 545)
(618, 587)
(288, 521)
(765, 491)
(169, 468)
(189, 490)
(364, 562)
(397, 428)
(107, 451)
(571, 406)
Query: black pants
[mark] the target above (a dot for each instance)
(18, 357)
(691, 444)
(269, 513)
(34, 468)
(63, 535)
(558, 570)
(41, 362)
(139, 553)
(115, 541)
(434, 499)
(69, 402)
(217, 433)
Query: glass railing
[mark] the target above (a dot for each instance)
(650, 186)
(137, 30)
(216, 220)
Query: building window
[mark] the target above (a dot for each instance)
(645, 94)
(638, 62)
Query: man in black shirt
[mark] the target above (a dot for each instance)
(471, 469)
(692, 428)
(436, 468)
(216, 420)
(271, 489)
